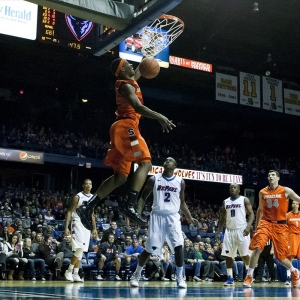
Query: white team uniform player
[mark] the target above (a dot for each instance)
(235, 225)
(165, 220)
(80, 235)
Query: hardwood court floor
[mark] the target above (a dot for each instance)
(94, 290)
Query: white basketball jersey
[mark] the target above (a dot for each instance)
(82, 198)
(166, 192)
(235, 212)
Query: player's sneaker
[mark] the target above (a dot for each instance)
(197, 279)
(248, 280)
(118, 278)
(135, 217)
(181, 283)
(163, 278)
(288, 281)
(85, 214)
(134, 280)
(229, 281)
(77, 278)
(68, 276)
(99, 277)
(295, 278)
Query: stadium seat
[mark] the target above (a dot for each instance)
(202, 233)
(194, 232)
(185, 229)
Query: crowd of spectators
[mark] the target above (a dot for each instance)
(214, 158)
(32, 223)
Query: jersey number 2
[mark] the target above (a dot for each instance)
(167, 197)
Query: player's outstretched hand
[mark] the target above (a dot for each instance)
(94, 233)
(246, 231)
(166, 124)
(67, 232)
(194, 221)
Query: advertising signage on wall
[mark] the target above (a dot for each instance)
(18, 18)
(22, 156)
(199, 175)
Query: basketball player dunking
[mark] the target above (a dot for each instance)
(127, 144)
(168, 199)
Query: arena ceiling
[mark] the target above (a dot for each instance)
(234, 35)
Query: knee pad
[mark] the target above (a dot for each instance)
(78, 253)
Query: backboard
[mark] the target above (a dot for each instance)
(119, 18)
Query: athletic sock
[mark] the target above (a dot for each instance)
(229, 272)
(179, 271)
(250, 272)
(288, 273)
(71, 267)
(76, 270)
(139, 269)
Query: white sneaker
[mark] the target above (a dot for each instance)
(99, 277)
(77, 278)
(118, 278)
(134, 280)
(163, 278)
(181, 283)
(68, 276)
(173, 277)
(288, 281)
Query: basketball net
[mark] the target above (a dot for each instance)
(160, 34)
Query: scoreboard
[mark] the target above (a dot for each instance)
(67, 30)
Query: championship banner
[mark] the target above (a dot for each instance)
(226, 88)
(272, 94)
(22, 156)
(291, 102)
(199, 175)
(250, 89)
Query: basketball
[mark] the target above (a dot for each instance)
(149, 68)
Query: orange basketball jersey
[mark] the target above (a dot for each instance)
(293, 221)
(124, 109)
(275, 204)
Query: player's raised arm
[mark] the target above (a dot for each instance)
(145, 194)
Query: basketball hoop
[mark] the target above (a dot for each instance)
(160, 34)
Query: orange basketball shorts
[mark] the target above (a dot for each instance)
(278, 233)
(294, 241)
(127, 146)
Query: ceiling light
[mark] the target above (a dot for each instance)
(84, 100)
(255, 7)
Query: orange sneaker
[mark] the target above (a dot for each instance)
(295, 278)
(248, 280)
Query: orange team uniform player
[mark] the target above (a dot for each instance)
(127, 144)
(273, 223)
(293, 221)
